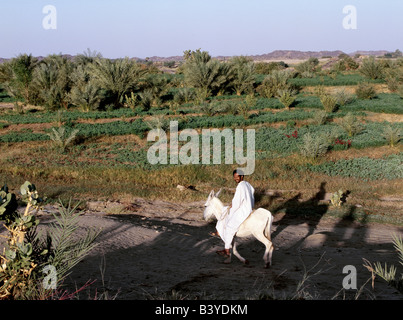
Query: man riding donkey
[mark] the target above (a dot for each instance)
(235, 214)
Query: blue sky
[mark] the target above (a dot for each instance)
(144, 28)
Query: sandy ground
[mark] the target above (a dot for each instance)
(156, 248)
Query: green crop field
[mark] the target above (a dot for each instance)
(91, 136)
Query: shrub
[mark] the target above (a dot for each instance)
(399, 90)
(131, 102)
(28, 256)
(320, 117)
(275, 81)
(392, 135)
(350, 124)
(184, 95)
(365, 91)
(343, 98)
(267, 67)
(146, 99)
(335, 198)
(389, 275)
(308, 67)
(345, 63)
(230, 106)
(286, 97)
(329, 103)
(371, 68)
(313, 146)
(61, 138)
(209, 109)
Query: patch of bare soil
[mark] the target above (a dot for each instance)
(147, 249)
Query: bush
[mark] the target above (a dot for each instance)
(329, 103)
(343, 98)
(286, 97)
(371, 68)
(267, 67)
(389, 275)
(392, 135)
(313, 146)
(275, 81)
(308, 67)
(320, 117)
(28, 256)
(365, 91)
(350, 124)
(61, 138)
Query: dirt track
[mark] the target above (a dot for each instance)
(161, 247)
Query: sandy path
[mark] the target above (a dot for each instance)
(162, 247)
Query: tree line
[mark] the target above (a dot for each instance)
(91, 82)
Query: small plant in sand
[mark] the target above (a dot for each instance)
(389, 274)
(392, 135)
(351, 125)
(28, 257)
(313, 146)
(335, 198)
(61, 138)
(131, 101)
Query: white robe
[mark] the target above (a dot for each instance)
(242, 206)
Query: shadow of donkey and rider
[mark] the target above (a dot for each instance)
(297, 211)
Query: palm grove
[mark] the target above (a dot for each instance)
(91, 82)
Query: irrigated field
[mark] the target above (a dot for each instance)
(317, 131)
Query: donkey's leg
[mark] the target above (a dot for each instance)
(236, 253)
(269, 248)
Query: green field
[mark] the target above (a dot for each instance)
(107, 157)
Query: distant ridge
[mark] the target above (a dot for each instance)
(274, 55)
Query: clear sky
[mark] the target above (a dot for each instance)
(145, 28)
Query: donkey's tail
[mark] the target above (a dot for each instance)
(269, 222)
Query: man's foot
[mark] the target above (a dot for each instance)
(214, 234)
(225, 253)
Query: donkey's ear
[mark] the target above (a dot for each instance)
(218, 193)
(211, 195)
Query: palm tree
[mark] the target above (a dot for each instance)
(84, 93)
(46, 81)
(203, 72)
(17, 76)
(118, 77)
(286, 97)
(87, 57)
(51, 79)
(244, 77)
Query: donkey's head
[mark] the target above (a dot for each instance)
(213, 206)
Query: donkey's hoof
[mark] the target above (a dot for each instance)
(246, 262)
(228, 260)
(267, 265)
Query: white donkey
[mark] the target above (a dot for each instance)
(257, 224)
